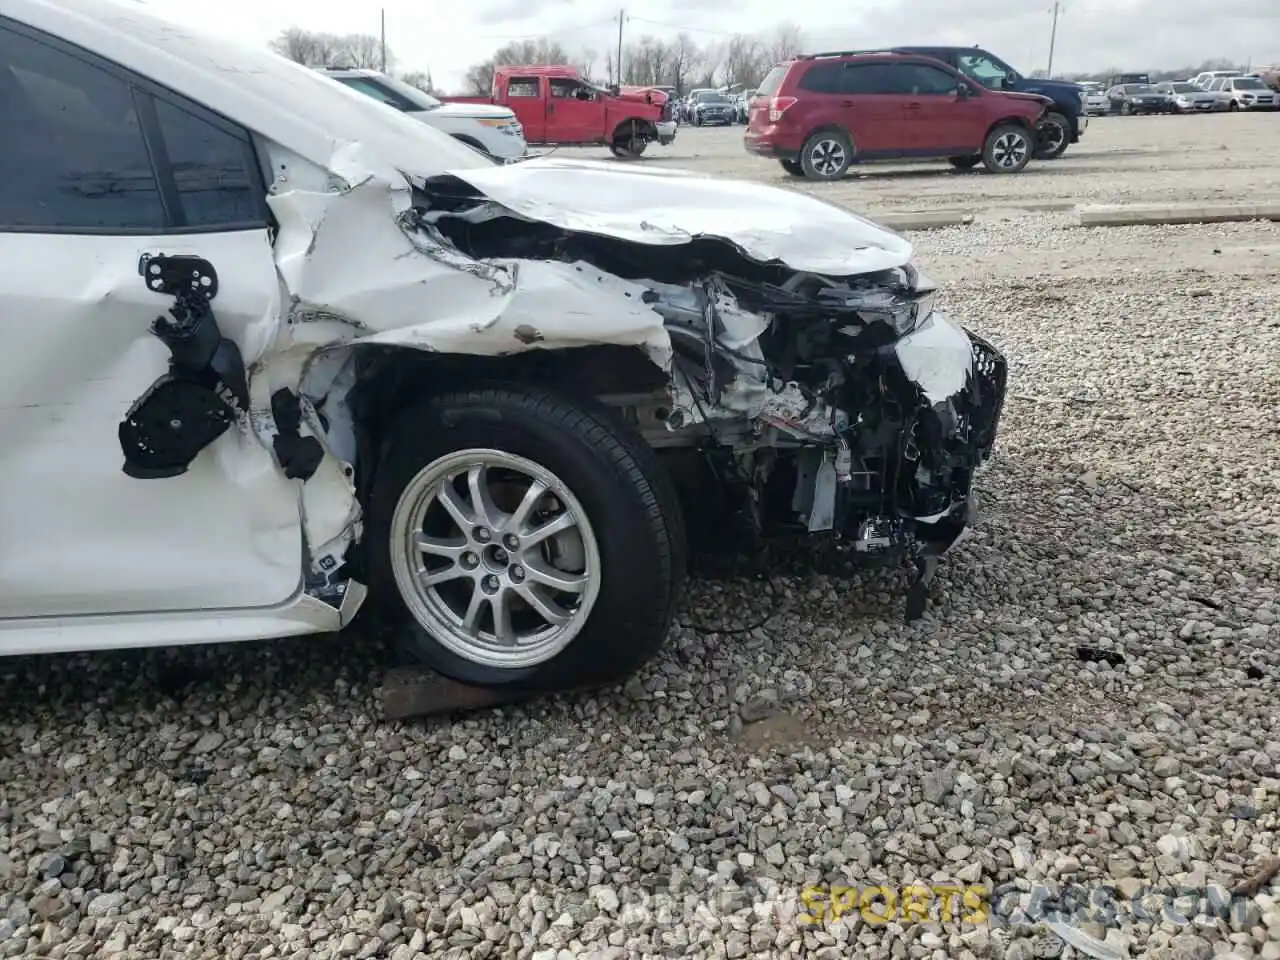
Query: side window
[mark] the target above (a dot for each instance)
(868, 78)
(823, 78)
(522, 87)
(924, 80)
(74, 155)
(212, 168)
(982, 69)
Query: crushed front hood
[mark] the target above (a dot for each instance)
(662, 206)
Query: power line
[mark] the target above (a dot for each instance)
(676, 26)
(548, 34)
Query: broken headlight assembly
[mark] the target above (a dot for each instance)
(902, 305)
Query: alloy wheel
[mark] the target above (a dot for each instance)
(495, 557)
(827, 157)
(1009, 150)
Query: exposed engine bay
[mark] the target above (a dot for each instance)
(802, 404)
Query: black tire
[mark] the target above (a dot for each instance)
(1053, 136)
(1234, 106)
(628, 149)
(965, 163)
(1008, 148)
(826, 155)
(792, 167)
(624, 492)
(1125, 109)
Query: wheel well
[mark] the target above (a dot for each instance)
(388, 379)
(1016, 121)
(831, 128)
(634, 126)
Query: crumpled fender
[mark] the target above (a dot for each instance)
(359, 258)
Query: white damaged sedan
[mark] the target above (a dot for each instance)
(276, 351)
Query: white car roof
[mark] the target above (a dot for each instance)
(297, 107)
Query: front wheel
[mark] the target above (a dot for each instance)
(1053, 136)
(1007, 149)
(1234, 106)
(628, 149)
(1125, 110)
(523, 540)
(826, 155)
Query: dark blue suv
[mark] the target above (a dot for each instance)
(1062, 125)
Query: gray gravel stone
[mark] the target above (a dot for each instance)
(263, 810)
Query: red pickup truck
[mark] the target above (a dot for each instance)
(555, 105)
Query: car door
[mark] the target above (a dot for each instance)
(101, 169)
(525, 97)
(575, 113)
(944, 116)
(871, 109)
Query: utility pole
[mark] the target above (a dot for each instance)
(622, 16)
(382, 14)
(1053, 39)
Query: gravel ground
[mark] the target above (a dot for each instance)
(1090, 699)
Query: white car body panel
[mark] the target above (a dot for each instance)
(91, 558)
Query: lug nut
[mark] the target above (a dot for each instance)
(490, 584)
(511, 541)
(482, 534)
(517, 574)
(470, 560)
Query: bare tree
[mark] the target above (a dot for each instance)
(317, 49)
(517, 53)
(784, 43)
(685, 57)
(744, 61)
(421, 80)
(306, 47)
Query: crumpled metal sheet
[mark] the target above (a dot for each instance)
(359, 257)
(661, 206)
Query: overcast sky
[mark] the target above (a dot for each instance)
(447, 37)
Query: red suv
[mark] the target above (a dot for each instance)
(820, 113)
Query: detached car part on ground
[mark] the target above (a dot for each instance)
(481, 399)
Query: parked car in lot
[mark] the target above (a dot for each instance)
(1121, 79)
(821, 113)
(1188, 98)
(556, 106)
(1131, 99)
(711, 108)
(1208, 76)
(273, 355)
(1248, 93)
(491, 129)
(1096, 101)
(1062, 124)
